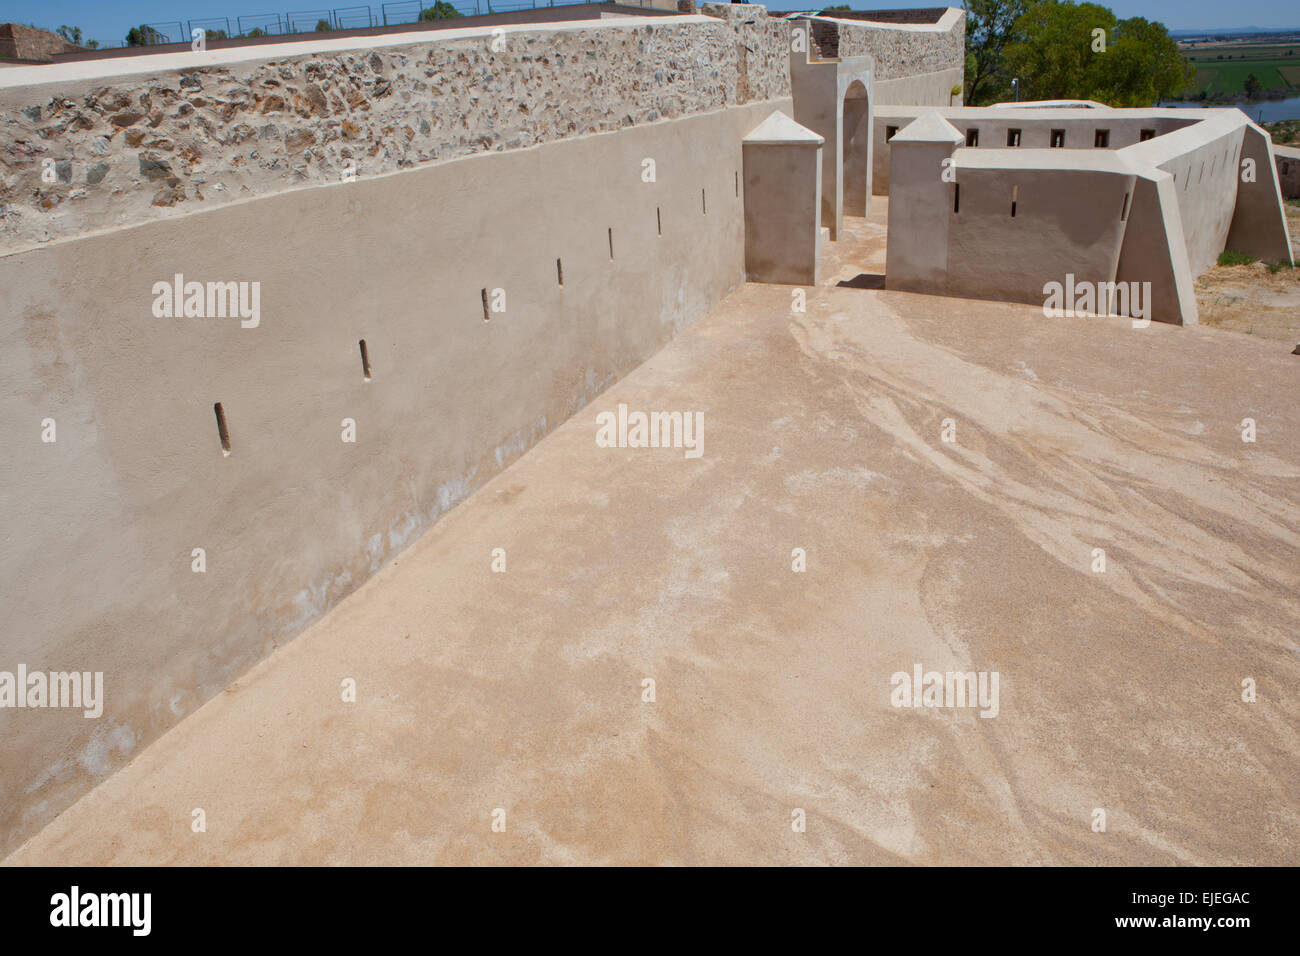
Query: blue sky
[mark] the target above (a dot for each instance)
(108, 20)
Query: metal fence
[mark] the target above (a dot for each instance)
(390, 13)
(211, 26)
(308, 21)
(353, 18)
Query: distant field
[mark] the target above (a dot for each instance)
(1262, 51)
(1221, 69)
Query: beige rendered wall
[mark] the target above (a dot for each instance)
(1259, 227)
(922, 89)
(1154, 251)
(1065, 221)
(855, 151)
(782, 212)
(1205, 179)
(920, 213)
(95, 562)
(1035, 125)
(814, 89)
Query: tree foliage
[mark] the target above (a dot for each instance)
(990, 26)
(1141, 66)
(441, 10)
(1053, 49)
(144, 35)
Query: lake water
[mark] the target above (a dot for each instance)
(1266, 111)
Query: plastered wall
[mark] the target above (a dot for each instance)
(993, 124)
(1061, 217)
(923, 89)
(96, 564)
(1205, 180)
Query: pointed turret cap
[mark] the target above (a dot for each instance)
(928, 128)
(779, 130)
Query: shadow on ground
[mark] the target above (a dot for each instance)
(865, 280)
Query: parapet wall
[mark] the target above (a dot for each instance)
(205, 129)
(1034, 128)
(93, 145)
(992, 220)
(907, 50)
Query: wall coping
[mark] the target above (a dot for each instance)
(147, 64)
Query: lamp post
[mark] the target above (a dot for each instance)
(1015, 87)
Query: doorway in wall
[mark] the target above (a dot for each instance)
(855, 138)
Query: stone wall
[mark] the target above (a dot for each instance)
(29, 43)
(905, 52)
(79, 155)
(129, 149)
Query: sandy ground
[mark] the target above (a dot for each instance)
(523, 690)
(1251, 299)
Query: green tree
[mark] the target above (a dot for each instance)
(257, 32)
(990, 26)
(1052, 53)
(71, 34)
(1056, 56)
(1252, 86)
(441, 10)
(144, 35)
(323, 26)
(1141, 66)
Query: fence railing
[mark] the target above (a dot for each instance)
(353, 18)
(260, 24)
(389, 13)
(307, 21)
(208, 25)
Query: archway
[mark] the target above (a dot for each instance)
(855, 138)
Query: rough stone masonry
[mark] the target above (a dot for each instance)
(84, 155)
